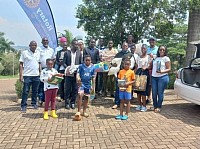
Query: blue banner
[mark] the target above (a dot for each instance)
(40, 14)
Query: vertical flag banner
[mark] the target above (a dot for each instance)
(39, 12)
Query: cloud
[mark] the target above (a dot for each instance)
(23, 33)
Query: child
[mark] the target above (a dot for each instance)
(125, 89)
(47, 76)
(86, 74)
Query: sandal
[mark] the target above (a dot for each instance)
(85, 114)
(77, 116)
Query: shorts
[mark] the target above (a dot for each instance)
(84, 90)
(125, 95)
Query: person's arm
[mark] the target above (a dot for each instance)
(132, 80)
(40, 68)
(21, 71)
(168, 67)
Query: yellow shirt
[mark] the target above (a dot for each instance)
(129, 75)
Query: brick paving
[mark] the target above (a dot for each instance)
(177, 126)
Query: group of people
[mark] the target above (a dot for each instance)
(39, 66)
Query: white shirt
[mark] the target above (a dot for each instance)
(73, 57)
(163, 60)
(45, 75)
(133, 60)
(30, 62)
(143, 61)
(45, 53)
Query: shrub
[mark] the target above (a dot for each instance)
(18, 88)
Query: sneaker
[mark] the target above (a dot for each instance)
(73, 106)
(40, 102)
(118, 117)
(115, 107)
(125, 117)
(35, 107)
(148, 101)
(138, 108)
(67, 107)
(143, 109)
(23, 109)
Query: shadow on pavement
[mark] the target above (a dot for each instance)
(104, 116)
(186, 112)
(11, 108)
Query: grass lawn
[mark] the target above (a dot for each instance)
(9, 77)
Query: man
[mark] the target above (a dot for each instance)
(107, 56)
(71, 58)
(152, 52)
(94, 53)
(99, 84)
(130, 41)
(152, 49)
(29, 74)
(45, 53)
(62, 42)
(61, 68)
(124, 54)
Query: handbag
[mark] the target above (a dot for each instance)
(140, 82)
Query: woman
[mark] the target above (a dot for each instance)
(161, 66)
(142, 69)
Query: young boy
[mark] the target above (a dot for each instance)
(125, 89)
(50, 88)
(86, 74)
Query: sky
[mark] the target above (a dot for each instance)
(19, 29)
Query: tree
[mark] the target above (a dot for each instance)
(69, 36)
(193, 28)
(5, 44)
(115, 19)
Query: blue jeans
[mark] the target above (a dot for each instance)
(159, 84)
(117, 100)
(99, 82)
(33, 82)
(71, 88)
(41, 95)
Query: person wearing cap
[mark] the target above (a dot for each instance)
(45, 53)
(61, 68)
(152, 49)
(152, 52)
(62, 42)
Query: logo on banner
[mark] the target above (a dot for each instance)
(32, 3)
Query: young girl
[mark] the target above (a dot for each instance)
(125, 90)
(50, 88)
(86, 74)
(142, 69)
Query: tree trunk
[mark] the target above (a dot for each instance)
(193, 34)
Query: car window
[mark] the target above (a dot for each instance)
(195, 63)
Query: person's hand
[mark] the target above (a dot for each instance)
(160, 71)
(21, 79)
(151, 55)
(61, 63)
(50, 79)
(114, 65)
(126, 85)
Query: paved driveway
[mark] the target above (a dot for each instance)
(177, 126)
